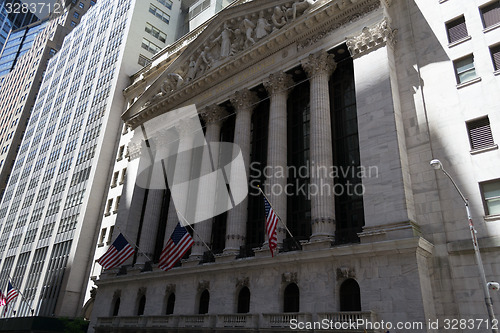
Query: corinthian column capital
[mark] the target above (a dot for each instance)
(319, 63)
(244, 100)
(213, 114)
(278, 82)
(371, 38)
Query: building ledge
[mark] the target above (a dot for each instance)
(482, 150)
(492, 27)
(465, 245)
(460, 41)
(468, 83)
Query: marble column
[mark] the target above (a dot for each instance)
(213, 116)
(244, 101)
(319, 67)
(183, 167)
(277, 86)
(154, 202)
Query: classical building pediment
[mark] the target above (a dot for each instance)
(237, 38)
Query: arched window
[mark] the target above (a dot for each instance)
(170, 304)
(291, 299)
(244, 300)
(142, 305)
(116, 306)
(204, 300)
(350, 298)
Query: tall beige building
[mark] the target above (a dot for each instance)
(353, 99)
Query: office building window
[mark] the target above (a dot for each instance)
(108, 207)
(490, 14)
(491, 197)
(456, 29)
(480, 135)
(120, 153)
(110, 234)
(102, 237)
(495, 56)
(155, 32)
(166, 3)
(159, 13)
(115, 179)
(149, 46)
(117, 203)
(76, 15)
(464, 69)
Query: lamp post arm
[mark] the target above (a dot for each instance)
(456, 187)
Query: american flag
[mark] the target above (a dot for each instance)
(271, 223)
(178, 244)
(11, 293)
(117, 253)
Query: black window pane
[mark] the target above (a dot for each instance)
(491, 14)
(456, 29)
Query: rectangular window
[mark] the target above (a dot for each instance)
(490, 14)
(159, 13)
(151, 47)
(115, 179)
(124, 173)
(464, 69)
(117, 204)
(81, 5)
(491, 197)
(108, 207)
(166, 3)
(155, 32)
(102, 237)
(143, 61)
(456, 29)
(495, 56)
(480, 135)
(76, 15)
(120, 153)
(110, 235)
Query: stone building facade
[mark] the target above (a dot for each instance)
(369, 90)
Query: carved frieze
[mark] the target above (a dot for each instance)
(345, 273)
(202, 285)
(241, 282)
(371, 38)
(289, 277)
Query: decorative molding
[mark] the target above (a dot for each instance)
(289, 277)
(321, 16)
(202, 285)
(278, 83)
(345, 273)
(326, 220)
(244, 100)
(213, 114)
(170, 288)
(319, 63)
(371, 38)
(242, 282)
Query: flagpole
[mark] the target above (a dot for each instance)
(197, 235)
(19, 292)
(279, 218)
(134, 244)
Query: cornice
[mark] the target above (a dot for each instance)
(371, 38)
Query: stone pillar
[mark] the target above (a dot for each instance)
(319, 67)
(187, 138)
(388, 198)
(213, 116)
(154, 201)
(244, 101)
(277, 85)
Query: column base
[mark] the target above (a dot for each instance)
(322, 242)
(191, 261)
(263, 252)
(225, 257)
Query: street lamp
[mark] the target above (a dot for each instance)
(436, 164)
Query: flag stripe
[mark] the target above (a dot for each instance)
(271, 224)
(11, 293)
(177, 246)
(117, 253)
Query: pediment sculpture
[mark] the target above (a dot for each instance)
(232, 37)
